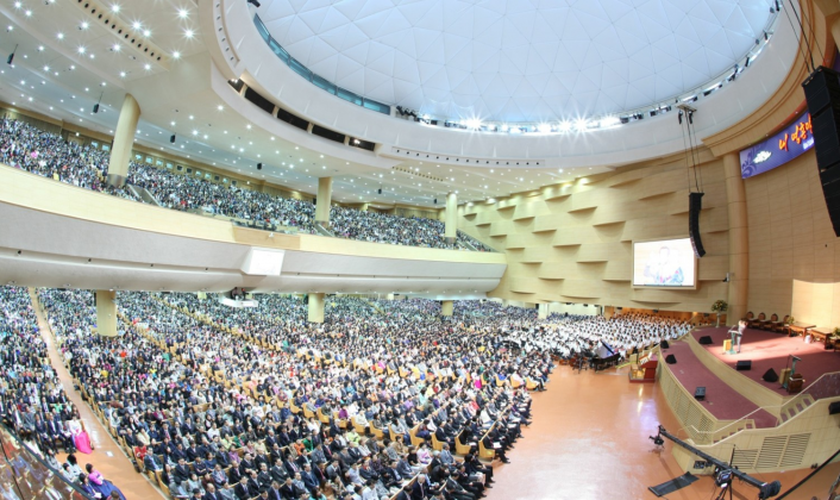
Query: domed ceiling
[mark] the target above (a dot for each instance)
(519, 61)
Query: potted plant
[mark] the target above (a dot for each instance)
(720, 306)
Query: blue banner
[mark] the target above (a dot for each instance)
(779, 149)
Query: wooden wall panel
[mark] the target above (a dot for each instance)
(573, 242)
(792, 245)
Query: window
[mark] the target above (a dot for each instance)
(169, 165)
(179, 168)
(158, 163)
(149, 160)
(189, 170)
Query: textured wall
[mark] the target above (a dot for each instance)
(791, 239)
(573, 243)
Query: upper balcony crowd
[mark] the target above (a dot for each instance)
(27, 147)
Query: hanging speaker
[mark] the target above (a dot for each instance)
(695, 204)
(259, 166)
(96, 108)
(822, 93)
(379, 191)
(172, 139)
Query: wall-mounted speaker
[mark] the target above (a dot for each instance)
(706, 340)
(671, 359)
(664, 344)
(700, 393)
(695, 204)
(822, 93)
(743, 365)
(834, 408)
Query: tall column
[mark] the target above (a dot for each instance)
(123, 141)
(106, 313)
(451, 231)
(316, 308)
(446, 308)
(739, 259)
(542, 312)
(322, 205)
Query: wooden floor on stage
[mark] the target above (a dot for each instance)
(771, 350)
(589, 440)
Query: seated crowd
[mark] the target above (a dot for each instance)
(278, 408)
(33, 403)
(572, 335)
(24, 146)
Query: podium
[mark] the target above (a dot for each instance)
(645, 371)
(727, 346)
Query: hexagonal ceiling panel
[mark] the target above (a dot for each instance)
(524, 60)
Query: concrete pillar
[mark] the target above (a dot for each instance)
(123, 141)
(316, 307)
(322, 205)
(446, 308)
(451, 231)
(106, 313)
(542, 312)
(739, 259)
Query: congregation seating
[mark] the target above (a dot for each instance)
(192, 379)
(26, 147)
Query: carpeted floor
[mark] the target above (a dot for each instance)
(721, 400)
(770, 350)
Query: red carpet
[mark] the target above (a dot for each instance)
(721, 400)
(770, 350)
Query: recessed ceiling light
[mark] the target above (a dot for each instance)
(115, 8)
(116, 47)
(60, 36)
(85, 25)
(122, 74)
(81, 50)
(220, 107)
(147, 33)
(136, 25)
(176, 55)
(189, 33)
(183, 13)
(148, 66)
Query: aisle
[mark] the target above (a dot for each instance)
(589, 440)
(107, 456)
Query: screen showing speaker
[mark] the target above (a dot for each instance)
(664, 264)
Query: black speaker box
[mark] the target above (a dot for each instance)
(705, 340)
(822, 93)
(695, 204)
(700, 393)
(664, 344)
(670, 359)
(743, 365)
(834, 408)
(770, 376)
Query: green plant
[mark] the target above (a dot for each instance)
(720, 306)
(791, 319)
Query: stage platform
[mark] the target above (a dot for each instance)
(722, 401)
(771, 350)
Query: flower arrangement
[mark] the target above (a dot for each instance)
(720, 306)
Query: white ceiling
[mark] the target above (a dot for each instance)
(52, 76)
(514, 61)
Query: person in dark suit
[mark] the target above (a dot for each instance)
(243, 491)
(210, 493)
(420, 489)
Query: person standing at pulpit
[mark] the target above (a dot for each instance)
(742, 326)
